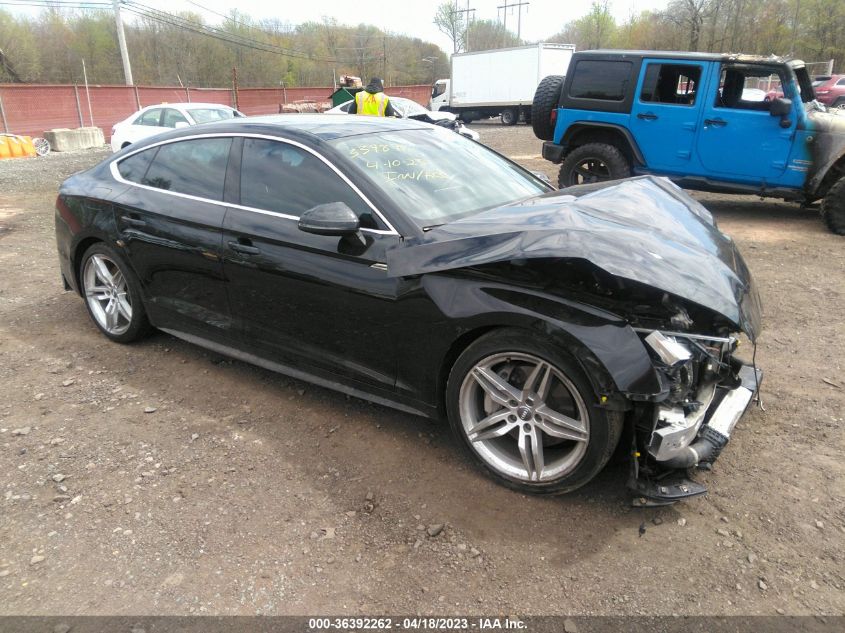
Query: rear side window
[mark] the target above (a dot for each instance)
(841, 82)
(135, 167)
(603, 80)
(670, 83)
(287, 179)
(196, 167)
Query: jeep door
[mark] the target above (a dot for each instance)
(665, 114)
(739, 140)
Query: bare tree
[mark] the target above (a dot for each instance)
(452, 24)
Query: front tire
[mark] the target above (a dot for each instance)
(112, 294)
(833, 207)
(525, 412)
(593, 162)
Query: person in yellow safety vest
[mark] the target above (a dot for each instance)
(372, 101)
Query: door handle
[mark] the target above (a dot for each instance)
(246, 249)
(647, 116)
(715, 122)
(133, 221)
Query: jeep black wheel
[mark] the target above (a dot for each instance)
(593, 162)
(546, 99)
(833, 207)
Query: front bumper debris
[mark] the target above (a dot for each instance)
(696, 439)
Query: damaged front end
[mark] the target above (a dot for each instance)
(709, 389)
(646, 253)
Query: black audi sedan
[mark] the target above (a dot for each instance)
(404, 264)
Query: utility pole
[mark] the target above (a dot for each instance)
(518, 6)
(468, 11)
(121, 41)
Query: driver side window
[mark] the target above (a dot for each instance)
(172, 117)
(150, 117)
(279, 177)
(746, 87)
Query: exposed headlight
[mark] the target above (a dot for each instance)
(669, 350)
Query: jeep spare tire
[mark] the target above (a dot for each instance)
(593, 162)
(546, 99)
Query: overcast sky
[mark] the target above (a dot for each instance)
(540, 18)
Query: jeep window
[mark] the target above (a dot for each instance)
(604, 80)
(670, 83)
(741, 86)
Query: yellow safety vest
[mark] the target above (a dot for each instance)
(371, 104)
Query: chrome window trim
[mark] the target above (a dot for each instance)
(117, 176)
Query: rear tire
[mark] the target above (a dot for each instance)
(593, 162)
(525, 412)
(833, 207)
(112, 294)
(546, 100)
(509, 116)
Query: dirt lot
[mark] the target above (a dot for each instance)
(159, 478)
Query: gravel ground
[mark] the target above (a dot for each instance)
(160, 478)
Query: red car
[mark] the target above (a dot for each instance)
(831, 92)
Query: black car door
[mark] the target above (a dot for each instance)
(321, 304)
(170, 221)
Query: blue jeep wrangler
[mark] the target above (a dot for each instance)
(701, 119)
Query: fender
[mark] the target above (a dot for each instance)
(579, 126)
(608, 350)
(83, 222)
(833, 150)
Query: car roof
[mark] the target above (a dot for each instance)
(720, 57)
(320, 127)
(186, 105)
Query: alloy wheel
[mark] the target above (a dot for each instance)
(524, 417)
(107, 294)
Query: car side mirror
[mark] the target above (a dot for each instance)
(180, 124)
(781, 107)
(332, 218)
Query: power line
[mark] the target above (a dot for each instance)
(58, 4)
(221, 34)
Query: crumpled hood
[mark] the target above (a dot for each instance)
(643, 229)
(437, 115)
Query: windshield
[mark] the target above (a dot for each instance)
(207, 115)
(436, 176)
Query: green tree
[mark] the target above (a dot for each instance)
(482, 35)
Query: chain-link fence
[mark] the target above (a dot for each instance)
(31, 109)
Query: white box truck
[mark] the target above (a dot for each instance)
(500, 82)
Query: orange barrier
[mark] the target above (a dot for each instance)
(16, 147)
